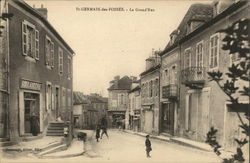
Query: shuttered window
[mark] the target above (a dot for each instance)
(60, 61)
(49, 52)
(30, 40)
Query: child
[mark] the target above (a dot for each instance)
(97, 132)
(148, 146)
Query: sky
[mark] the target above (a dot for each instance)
(110, 43)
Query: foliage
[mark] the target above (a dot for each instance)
(236, 42)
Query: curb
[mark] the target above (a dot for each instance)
(171, 140)
(62, 156)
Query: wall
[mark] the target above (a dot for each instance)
(20, 67)
(217, 99)
(151, 103)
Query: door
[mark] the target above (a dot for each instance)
(168, 118)
(148, 121)
(205, 98)
(31, 108)
(57, 102)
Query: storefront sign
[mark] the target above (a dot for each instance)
(32, 85)
(146, 107)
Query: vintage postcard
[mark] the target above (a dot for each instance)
(129, 81)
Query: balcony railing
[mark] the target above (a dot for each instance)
(170, 91)
(192, 76)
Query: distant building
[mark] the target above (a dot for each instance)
(38, 66)
(88, 110)
(150, 95)
(118, 99)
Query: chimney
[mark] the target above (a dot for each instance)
(43, 11)
(117, 77)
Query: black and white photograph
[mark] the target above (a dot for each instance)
(124, 81)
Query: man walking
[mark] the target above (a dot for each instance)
(148, 146)
(104, 125)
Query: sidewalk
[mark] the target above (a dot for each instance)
(178, 140)
(73, 150)
(34, 144)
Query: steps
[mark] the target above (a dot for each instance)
(5, 142)
(55, 129)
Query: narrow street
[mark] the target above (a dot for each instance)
(125, 147)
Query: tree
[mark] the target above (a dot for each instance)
(236, 41)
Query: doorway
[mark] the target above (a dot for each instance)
(31, 110)
(168, 118)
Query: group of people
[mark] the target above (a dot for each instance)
(102, 125)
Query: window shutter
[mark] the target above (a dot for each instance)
(52, 54)
(24, 38)
(46, 52)
(37, 45)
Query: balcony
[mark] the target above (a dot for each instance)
(194, 77)
(170, 91)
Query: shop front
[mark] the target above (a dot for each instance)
(30, 110)
(167, 119)
(136, 120)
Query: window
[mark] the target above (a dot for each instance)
(156, 87)
(69, 68)
(173, 75)
(49, 52)
(69, 98)
(214, 51)
(48, 96)
(30, 40)
(187, 60)
(60, 61)
(151, 88)
(199, 54)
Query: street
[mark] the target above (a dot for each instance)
(125, 147)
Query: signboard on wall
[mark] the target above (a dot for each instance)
(31, 85)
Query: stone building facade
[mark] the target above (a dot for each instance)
(39, 69)
(150, 95)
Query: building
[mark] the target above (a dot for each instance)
(170, 69)
(118, 99)
(99, 103)
(88, 110)
(81, 106)
(202, 103)
(150, 95)
(39, 71)
(133, 121)
(3, 72)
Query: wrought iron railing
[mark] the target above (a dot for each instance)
(170, 91)
(192, 75)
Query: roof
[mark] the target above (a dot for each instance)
(201, 12)
(80, 98)
(150, 70)
(96, 99)
(35, 13)
(229, 10)
(137, 88)
(122, 84)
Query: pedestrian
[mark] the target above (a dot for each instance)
(104, 125)
(97, 136)
(148, 146)
(34, 124)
